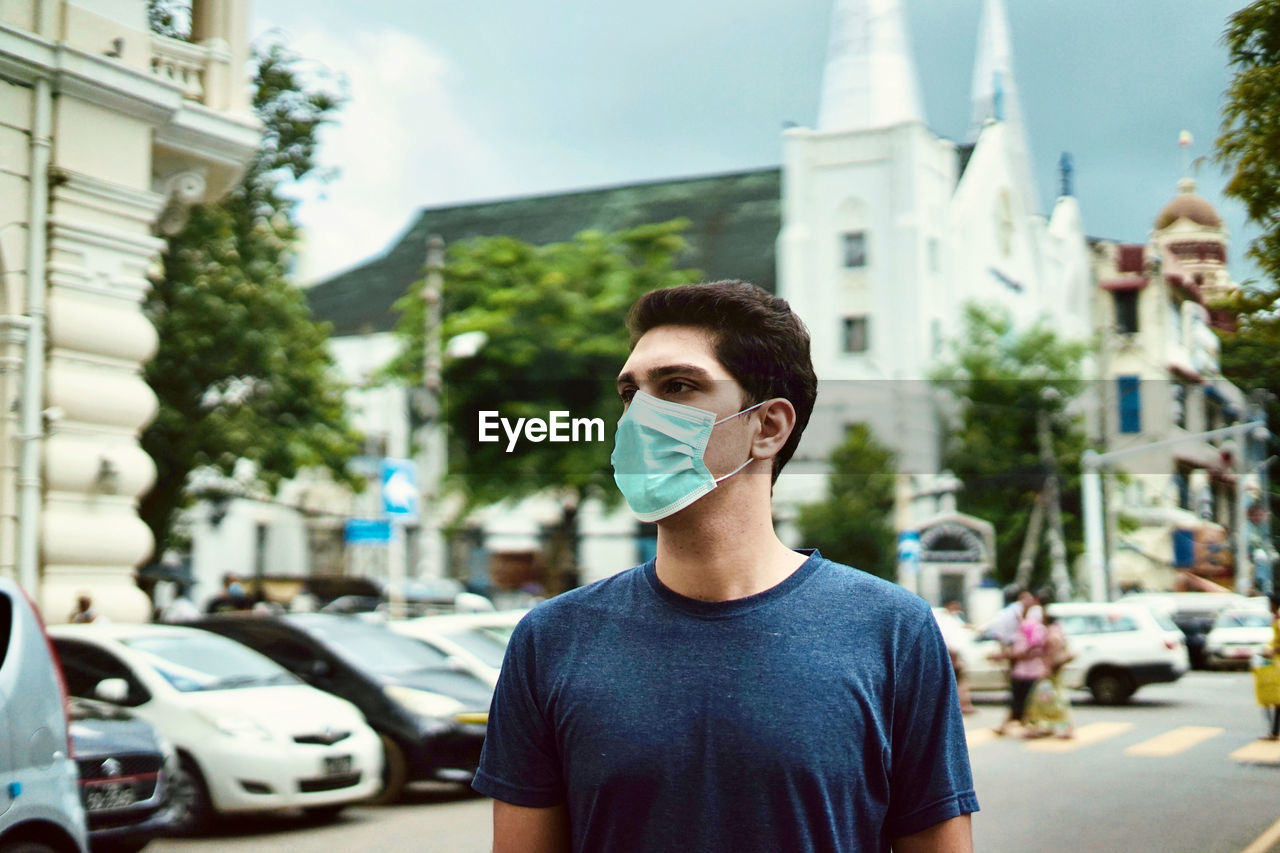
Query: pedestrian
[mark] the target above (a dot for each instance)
(955, 645)
(232, 597)
(1048, 705)
(84, 611)
(1269, 682)
(1006, 628)
(661, 708)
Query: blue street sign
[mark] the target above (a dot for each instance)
(399, 488)
(367, 531)
(909, 547)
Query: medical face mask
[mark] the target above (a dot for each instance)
(657, 455)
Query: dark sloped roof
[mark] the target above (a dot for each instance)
(734, 223)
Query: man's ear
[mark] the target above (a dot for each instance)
(777, 418)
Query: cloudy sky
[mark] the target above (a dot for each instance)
(454, 101)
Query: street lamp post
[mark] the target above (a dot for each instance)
(431, 468)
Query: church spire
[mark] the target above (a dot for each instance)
(995, 93)
(870, 79)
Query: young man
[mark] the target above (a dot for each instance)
(732, 694)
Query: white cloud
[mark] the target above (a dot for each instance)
(401, 143)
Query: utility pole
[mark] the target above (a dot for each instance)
(432, 445)
(1059, 576)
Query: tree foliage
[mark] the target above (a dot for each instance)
(1249, 147)
(854, 524)
(553, 317)
(242, 372)
(1249, 144)
(1002, 378)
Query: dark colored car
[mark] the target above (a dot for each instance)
(430, 713)
(123, 764)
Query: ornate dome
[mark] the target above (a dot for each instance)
(1188, 205)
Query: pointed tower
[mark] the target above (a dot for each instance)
(870, 79)
(995, 97)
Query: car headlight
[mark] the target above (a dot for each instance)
(234, 725)
(424, 703)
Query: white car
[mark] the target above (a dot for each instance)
(1236, 636)
(40, 807)
(1118, 648)
(475, 641)
(250, 736)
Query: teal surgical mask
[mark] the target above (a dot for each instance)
(657, 455)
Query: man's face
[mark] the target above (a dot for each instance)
(678, 363)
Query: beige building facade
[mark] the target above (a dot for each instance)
(108, 134)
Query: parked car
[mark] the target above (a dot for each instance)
(1118, 648)
(40, 809)
(1236, 636)
(125, 765)
(476, 640)
(1194, 614)
(429, 712)
(249, 736)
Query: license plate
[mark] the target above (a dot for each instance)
(337, 765)
(108, 795)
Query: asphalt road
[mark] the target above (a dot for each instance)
(1179, 769)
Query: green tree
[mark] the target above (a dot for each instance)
(854, 524)
(1003, 379)
(1249, 144)
(242, 372)
(1249, 147)
(553, 317)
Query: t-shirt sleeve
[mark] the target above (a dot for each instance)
(519, 763)
(930, 776)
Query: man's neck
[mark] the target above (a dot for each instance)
(718, 556)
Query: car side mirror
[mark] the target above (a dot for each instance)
(113, 690)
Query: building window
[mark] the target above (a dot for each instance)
(935, 255)
(1126, 311)
(1178, 399)
(1130, 392)
(855, 249)
(855, 334)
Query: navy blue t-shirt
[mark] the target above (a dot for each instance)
(819, 715)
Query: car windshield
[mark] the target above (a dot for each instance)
(207, 662)
(375, 648)
(1247, 619)
(488, 643)
(1164, 621)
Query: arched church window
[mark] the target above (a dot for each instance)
(855, 249)
(856, 334)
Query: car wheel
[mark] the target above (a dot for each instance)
(395, 772)
(190, 809)
(325, 813)
(1110, 687)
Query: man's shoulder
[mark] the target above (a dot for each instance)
(590, 601)
(868, 588)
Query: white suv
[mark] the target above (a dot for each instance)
(1118, 648)
(40, 806)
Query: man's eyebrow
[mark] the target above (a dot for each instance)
(693, 371)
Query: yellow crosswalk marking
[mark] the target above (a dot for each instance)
(1258, 752)
(1085, 735)
(1174, 741)
(977, 737)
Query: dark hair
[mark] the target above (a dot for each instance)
(757, 337)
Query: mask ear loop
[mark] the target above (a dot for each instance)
(743, 412)
(735, 470)
(750, 459)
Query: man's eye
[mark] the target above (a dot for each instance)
(678, 386)
(626, 394)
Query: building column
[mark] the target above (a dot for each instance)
(97, 401)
